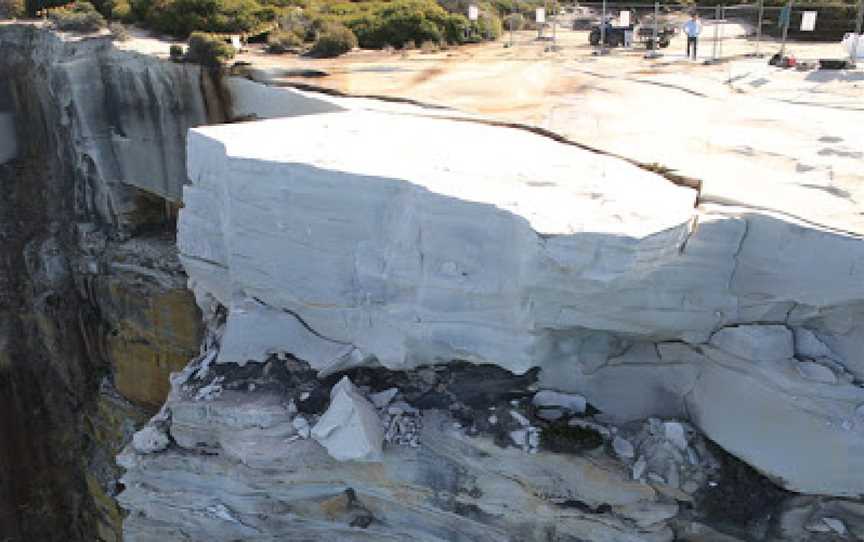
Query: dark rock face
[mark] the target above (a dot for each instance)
(91, 292)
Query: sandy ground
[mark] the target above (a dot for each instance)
(784, 140)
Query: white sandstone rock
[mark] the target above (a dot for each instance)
(150, 440)
(755, 342)
(676, 434)
(301, 424)
(350, 429)
(808, 345)
(816, 372)
(408, 250)
(836, 525)
(383, 398)
(623, 447)
(402, 258)
(569, 401)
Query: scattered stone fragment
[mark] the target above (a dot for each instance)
(519, 437)
(493, 419)
(675, 433)
(401, 407)
(623, 447)
(639, 468)
(210, 391)
(835, 525)
(350, 428)
(656, 478)
(523, 421)
(550, 414)
(383, 398)
(301, 424)
(605, 432)
(816, 372)
(150, 440)
(817, 526)
(533, 438)
(572, 402)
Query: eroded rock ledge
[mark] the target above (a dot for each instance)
(361, 238)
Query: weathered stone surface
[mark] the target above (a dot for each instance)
(786, 426)
(615, 293)
(569, 401)
(450, 487)
(755, 342)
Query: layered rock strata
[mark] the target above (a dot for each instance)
(524, 252)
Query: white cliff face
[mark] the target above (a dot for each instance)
(436, 240)
(414, 251)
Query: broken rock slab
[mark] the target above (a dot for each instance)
(350, 429)
(568, 401)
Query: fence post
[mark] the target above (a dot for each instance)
(655, 39)
(716, 33)
(759, 27)
(555, 26)
(722, 29)
(603, 30)
(512, 19)
(786, 27)
(858, 21)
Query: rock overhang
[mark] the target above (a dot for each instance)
(557, 188)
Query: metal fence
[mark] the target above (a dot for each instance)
(807, 32)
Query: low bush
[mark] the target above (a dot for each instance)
(333, 41)
(79, 17)
(175, 52)
(514, 21)
(182, 17)
(284, 41)
(208, 50)
(118, 32)
(12, 9)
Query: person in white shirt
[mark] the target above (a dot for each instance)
(692, 28)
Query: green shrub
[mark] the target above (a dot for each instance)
(80, 17)
(118, 32)
(334, 41)
(12, 9)
(208, 50)
(176, 52)
(514, 21)
(182, 17)
(282, 41)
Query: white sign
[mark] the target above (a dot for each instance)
(808, 21)
(473, 13)
(235, 42)
(624, 18)
(540, 16)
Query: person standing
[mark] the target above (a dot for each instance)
(692, 28)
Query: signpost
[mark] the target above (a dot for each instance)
(540, 19)
(759, 27)
(808, 21)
